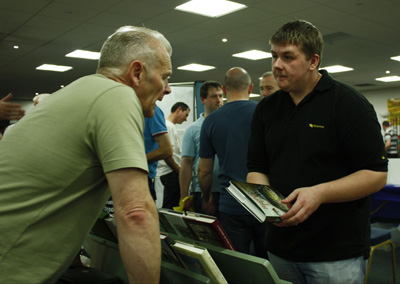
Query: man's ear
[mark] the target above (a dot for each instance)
(314, 61)
(223, 89)
(136, 69)
(250, 88)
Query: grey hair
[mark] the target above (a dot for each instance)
(127, 44)
(266, 74)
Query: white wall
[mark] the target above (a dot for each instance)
(179, 93)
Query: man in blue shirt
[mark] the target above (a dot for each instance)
(211, 96)
(157, 144)
(225, 133)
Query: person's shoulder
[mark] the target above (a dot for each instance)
(102, 81)
(249, 104)
(215, 113)
(191, 132)
(195, 125)
(158, 111)
(347, 95)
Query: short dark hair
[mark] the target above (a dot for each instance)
(302, 34)
(181, 105)
(207, 85)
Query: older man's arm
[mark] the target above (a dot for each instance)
(137, 224)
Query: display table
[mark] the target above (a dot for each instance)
(386, 203)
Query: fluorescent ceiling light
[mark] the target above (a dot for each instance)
(196, 67)
(337, 68)
(210, 8)
(388, 79)
(56, 68)
(84, 54)
(254, 95)
(395, 58)
(253, 54)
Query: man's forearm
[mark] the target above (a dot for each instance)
(257, 178)
(139, 244)
(205, 175)
(185, 177)
(387, 144)
(352, 187)
(172, 164)
(158, 154)
(137, 224)
(205, 183)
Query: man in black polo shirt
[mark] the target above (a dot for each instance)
(318, 142)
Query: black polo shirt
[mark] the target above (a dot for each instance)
(331, 133)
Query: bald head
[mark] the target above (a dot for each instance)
(237, 79)
(237, 85)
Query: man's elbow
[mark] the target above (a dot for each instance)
(203, 173)
(167, 153)
(139, 215)
(380, 181)
(383, 180)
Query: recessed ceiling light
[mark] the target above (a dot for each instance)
(253, 54)
(337, 68)
(387, 72)
(254, 95)
(397, 58)
(224, 40)
(84, 54)
(16, 46)
(210, 8)
(388, 79)
(56, 68)
(196, 67)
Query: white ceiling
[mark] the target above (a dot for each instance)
(362, 34)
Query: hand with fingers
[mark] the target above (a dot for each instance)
(305, 201)
(10, 111)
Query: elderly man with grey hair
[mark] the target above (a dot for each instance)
(268, 84)
(89, 144)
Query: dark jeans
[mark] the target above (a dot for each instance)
(197, 200)
(172, 192)
(245, 230)
(152, 189)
